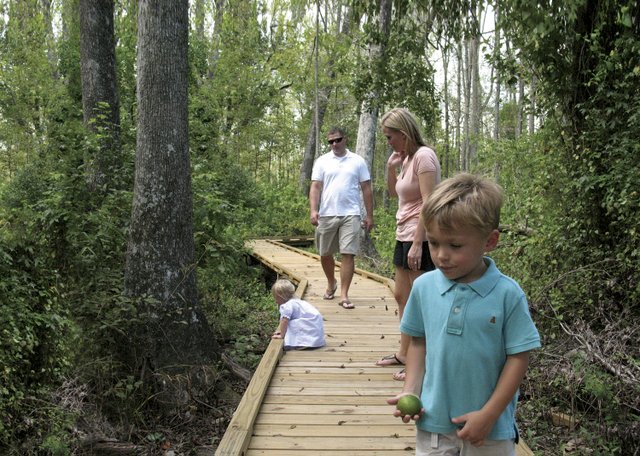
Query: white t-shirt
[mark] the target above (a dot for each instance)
(341, 178)
(306, 326)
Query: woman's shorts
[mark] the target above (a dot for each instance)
(402, 250)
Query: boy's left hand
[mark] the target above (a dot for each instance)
(475, 427)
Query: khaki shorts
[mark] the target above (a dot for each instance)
(429, 444)
(338, 234)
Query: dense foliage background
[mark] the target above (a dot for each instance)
(571, 219)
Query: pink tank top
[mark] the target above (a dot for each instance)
(408, 188)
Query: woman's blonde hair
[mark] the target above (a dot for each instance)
(464, 200)
(400, 119)
(284, 289)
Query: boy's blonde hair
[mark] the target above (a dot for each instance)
(284, 289)
(464, 200)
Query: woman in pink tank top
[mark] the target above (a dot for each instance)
(413, 170)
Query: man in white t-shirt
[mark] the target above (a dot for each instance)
(334, 200)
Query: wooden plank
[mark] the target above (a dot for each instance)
(338, 421)
(322, 409)
(333, 375)
(307, 369)
(342, 383)
(349, 452)
(344, 442)
(303, 430)
(324, 391)
(324, 400)
(523, 450)
(236, 437)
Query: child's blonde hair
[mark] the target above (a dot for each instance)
(284, 289)
(464, 200)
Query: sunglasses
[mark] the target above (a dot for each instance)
(335, 141)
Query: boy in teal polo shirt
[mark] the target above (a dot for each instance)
(476, 324)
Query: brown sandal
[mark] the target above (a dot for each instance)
(389, 360)
(346, 304)
(400, 375)
(330, 294)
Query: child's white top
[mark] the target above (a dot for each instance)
(306, 328)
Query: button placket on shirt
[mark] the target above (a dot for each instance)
(457, 311)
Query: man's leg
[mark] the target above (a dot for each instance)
(349, 246)
(327, 243)
(346, 275)
(329, 266)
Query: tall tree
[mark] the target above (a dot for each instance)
(217, 27)
(496, 58)
(48, 24)
(160, 256)
(369, 109)
(28, 89)
(322, 89)
(100, 101)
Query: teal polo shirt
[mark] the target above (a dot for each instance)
(469, 328)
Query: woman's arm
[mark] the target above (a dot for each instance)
(427, 182)
(393, 163)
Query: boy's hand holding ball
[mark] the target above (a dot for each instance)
(408, 407)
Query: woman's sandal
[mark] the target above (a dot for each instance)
(330, 294)
(400, 375)
(346, 304)
(389, 360)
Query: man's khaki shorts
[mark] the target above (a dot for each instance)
(338, 234)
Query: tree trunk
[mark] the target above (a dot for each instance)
(100, 103)
(160, 256)
(217, 32)
(520, 112)
(199, 14)
(458, 133)
(476, 96)
(467, 76)
(367, 127)
(496, 56)
(532, 106)
(368, 124)
(447, 127)
(51, 42)
(310, 148)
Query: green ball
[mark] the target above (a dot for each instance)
(409, 405)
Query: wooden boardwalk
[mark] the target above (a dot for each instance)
(332, 400)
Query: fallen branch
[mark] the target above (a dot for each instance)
(237, 369)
